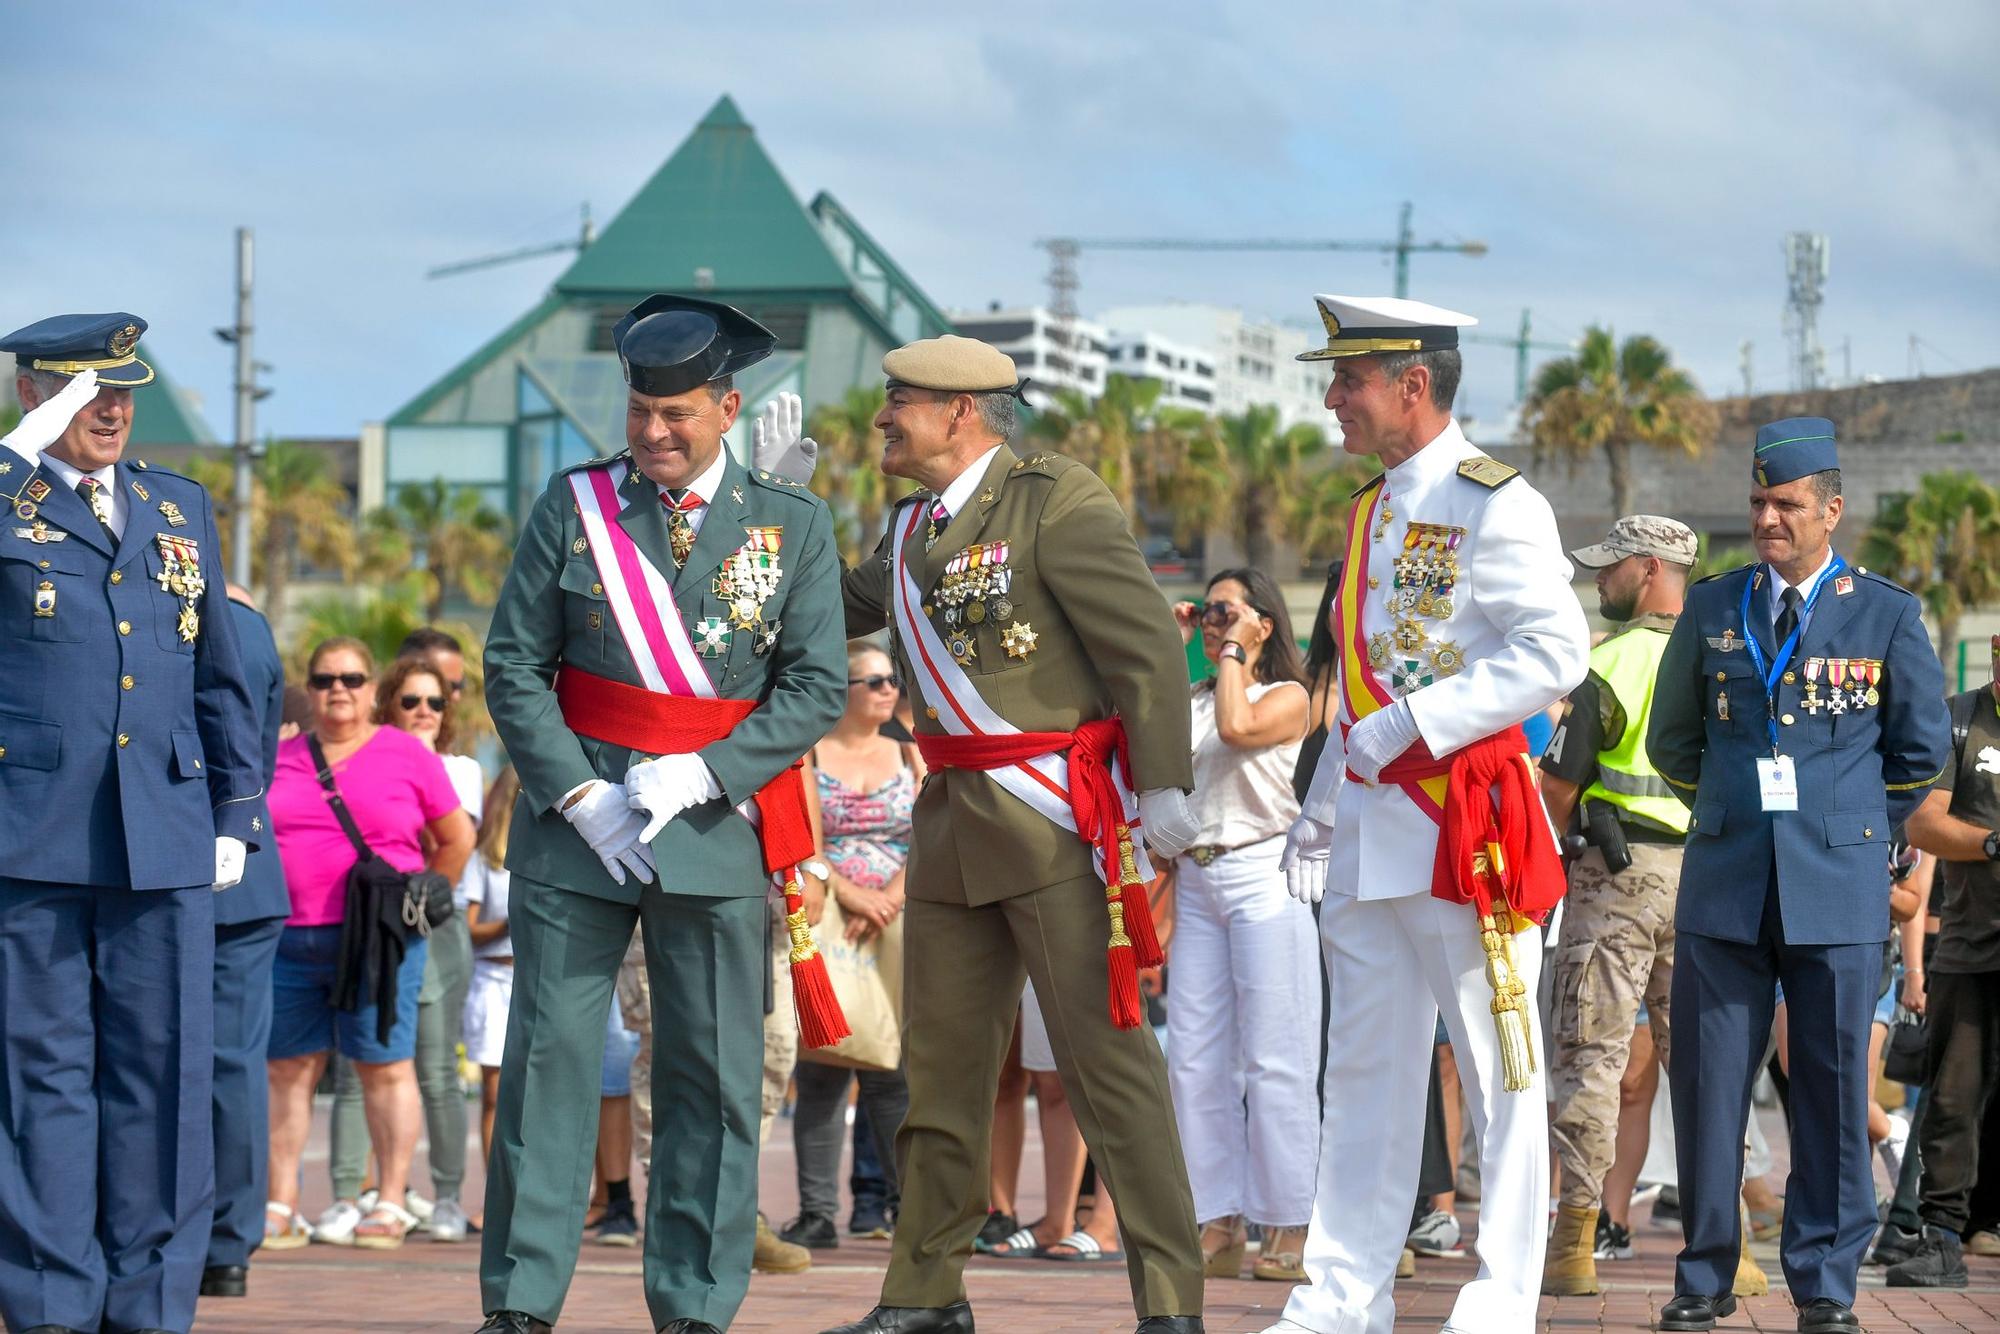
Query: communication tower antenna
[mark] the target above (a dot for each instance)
(1805, 281)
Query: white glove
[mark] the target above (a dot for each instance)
(1380, 738)
(1308, 846)
(611, 828)
(1166, 821)
(230, 853)
(665, 787)
(44, 425)
(777, 442)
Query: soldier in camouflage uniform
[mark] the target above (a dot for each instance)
(1616, 947)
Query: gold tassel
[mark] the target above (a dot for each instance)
(1510, 999)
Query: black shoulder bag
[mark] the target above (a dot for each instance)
(425, 895)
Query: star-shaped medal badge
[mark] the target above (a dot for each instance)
(1018, 639)
(766, 638)
(711, 636)
(963, 648)
(745, 612)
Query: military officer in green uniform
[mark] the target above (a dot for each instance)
(1029, 627)
(667, 645)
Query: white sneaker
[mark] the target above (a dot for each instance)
(1891, 1149)
(448, 1221)
(1436, 1234)
(336, 1226)
(419, 1206)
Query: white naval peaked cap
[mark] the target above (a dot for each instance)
(1366, 326)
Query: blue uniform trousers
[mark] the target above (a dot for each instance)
(1724, 995)
(106, 1182)
(243, 955)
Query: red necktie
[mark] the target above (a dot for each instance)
(680, 533)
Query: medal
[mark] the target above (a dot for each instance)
(45, 600)
(711, 636)
(1812, 701)
(1018, 639)
(189, 623)
(766, 638)
(975, 612)
(1836, 673)
(963, 648)
(175, 519)
(1722, 705)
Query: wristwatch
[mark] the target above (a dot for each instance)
(1241, 654)
(1993, 846)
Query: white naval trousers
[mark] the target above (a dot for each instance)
(1243, 1016)
(1393, 964)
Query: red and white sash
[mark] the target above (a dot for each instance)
(642, 599)
(1043, 782)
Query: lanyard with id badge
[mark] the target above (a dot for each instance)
(1777, 777)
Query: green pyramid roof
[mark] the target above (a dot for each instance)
(717, 204)
(162, 413)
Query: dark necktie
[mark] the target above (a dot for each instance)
(1788, 615)
(680, 530)
(100, 505)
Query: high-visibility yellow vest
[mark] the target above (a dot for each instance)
(1629, 664)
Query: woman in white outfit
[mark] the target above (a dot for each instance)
(1243, 991)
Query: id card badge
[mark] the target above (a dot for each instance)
(1778, 783)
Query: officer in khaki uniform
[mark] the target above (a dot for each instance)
(751, 569)
(1616, 947)
(1064, 626)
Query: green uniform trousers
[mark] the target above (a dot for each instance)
(962, 970)
(706, 957)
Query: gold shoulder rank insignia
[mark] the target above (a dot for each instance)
(1488, 472)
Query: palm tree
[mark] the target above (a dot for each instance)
(451, 537)
(1943, 544)
(1120, 435)
(298, 511)
(1611, 397)
(1263, 484)
(849, 474)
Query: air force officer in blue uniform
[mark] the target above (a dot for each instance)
(129, 778)
(1800, 713)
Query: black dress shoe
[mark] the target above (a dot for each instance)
(1824, 1315)
(225, 1281)
(1691, 1312)
(953, 1319)
(513, 1322)
(687, 1326)
(1170, 1324)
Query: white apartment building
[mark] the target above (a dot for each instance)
(1253, 359)
(1039, 347)
(1186, 374)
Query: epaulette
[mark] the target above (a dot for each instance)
(1724, 574)
(622, 455)
(1045, 463)
(1883, 579)
(1490, 473)
(155, 470)
(1369, 485)
(785, 486)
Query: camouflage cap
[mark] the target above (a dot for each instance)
(1641, 535)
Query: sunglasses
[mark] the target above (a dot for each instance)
(325, 680)
(1219, 613)
(876, 682)
(410, 702)
(456, 687)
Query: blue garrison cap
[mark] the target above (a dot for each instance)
(70, 344)
(670, 344)
(1793, 448)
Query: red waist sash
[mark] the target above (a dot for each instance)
(654, 723)
(1494, 842)
(1099, 812)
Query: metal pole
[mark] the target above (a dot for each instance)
(246, 411)
(1403, 244)
(1521, 359)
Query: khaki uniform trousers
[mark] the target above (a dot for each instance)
(781, 1038)
(1615, 951)
(963, 969)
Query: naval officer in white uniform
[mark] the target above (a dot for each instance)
(1455, 621)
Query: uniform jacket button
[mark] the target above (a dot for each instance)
(123, 740)
(1787, 720)
(124, 627)
(126, 682)
(1867, 832)
(118, 576)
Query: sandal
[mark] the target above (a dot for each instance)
(290, 1232)
(384, 1227)
(1083, 1249)
(1281, 1257)
(1223, 1241)
(1021, 1246)
(997, 1228)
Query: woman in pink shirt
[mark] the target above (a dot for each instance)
(396, 789)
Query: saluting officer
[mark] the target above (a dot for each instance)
(1049, 672)
(666, 647)
(129, 771)
(1800, 714)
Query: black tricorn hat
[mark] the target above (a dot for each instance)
(669, 344)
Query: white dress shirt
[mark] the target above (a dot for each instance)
(106, 480)
(705, 486)
(1807, 587)
(956, 496)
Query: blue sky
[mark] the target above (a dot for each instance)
(1627, 165)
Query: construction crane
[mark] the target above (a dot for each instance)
(586, 234)
(1064, 250)
(1521, 343)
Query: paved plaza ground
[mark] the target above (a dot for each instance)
(434, 1289)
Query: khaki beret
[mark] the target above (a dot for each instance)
(951, 364)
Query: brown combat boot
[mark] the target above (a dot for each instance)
(1751, 1280)
(1570, 1270)
(775, 1256)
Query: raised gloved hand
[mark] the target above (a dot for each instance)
(1168, 824)
(230, 854)
(777, 442)
(1380, 738)
(611, 828)
(44, 425)
(665, 787)
(1308, 848)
